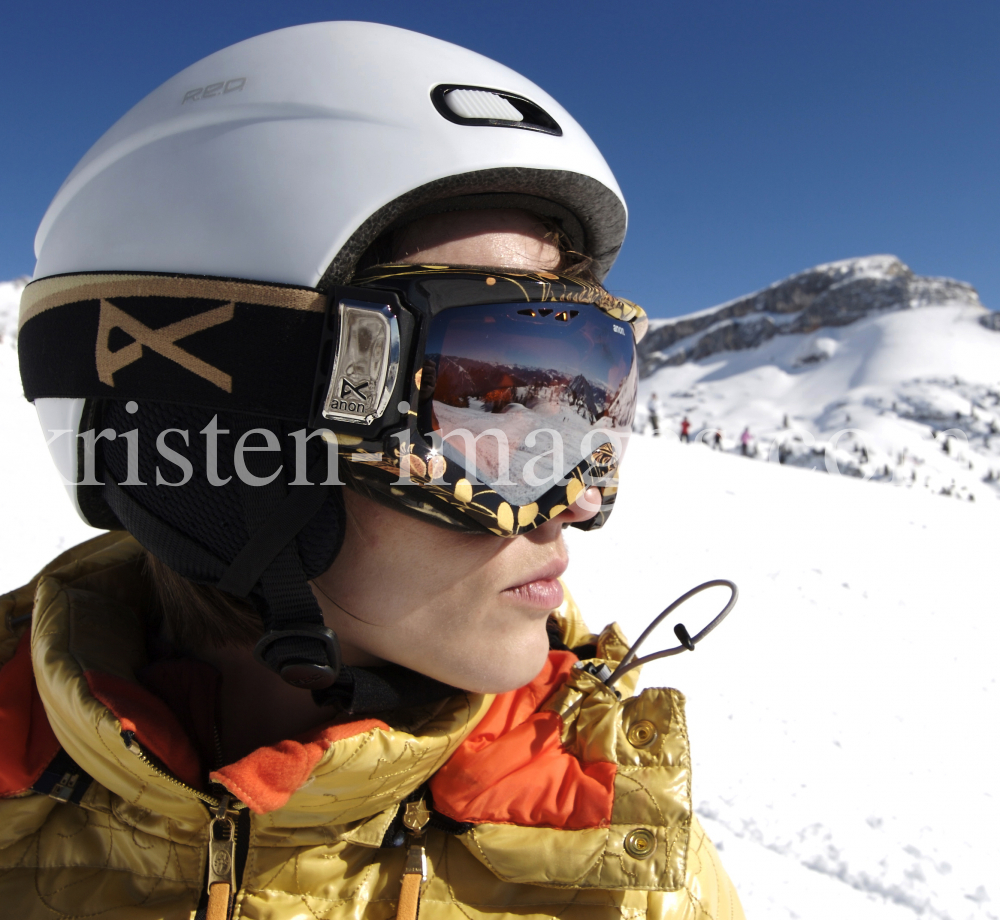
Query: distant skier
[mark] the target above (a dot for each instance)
(685, 430)
(653, 408)
(717, 440)
(745, 440)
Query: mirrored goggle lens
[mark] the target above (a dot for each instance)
(521, 393)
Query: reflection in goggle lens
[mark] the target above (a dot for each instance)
(521, 393)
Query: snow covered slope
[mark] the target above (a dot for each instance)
(906, 391)
(843, 719)
(38, 520)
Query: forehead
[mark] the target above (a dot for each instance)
(507, 238)
(461, 223)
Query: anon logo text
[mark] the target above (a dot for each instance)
(162, 341)
(353, 396)
(234, 85)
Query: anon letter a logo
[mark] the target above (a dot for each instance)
(162, 341)
(357, 389)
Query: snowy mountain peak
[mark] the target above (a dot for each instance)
(882, 266)
(834, 294)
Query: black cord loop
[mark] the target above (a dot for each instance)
(687, 642)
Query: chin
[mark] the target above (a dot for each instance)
(502, 673)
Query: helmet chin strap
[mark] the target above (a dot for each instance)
(267, 571)
(297, 644)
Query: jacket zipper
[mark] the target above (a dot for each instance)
(133, 746)
(221, 870)
(221, 862)
(415, 820)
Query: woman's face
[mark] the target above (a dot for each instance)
(467, 609)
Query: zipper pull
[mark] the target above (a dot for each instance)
(415, 819)
(221, 862)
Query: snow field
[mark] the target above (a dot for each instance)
(38, 520)
(843, 718)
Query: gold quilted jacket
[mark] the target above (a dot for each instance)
(554, 800)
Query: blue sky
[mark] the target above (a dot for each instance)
(752, 139)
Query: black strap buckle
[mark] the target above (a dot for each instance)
(294, 664)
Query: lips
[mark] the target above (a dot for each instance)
(542, 590)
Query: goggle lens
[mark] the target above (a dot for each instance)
(521, 393)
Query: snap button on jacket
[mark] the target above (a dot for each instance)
(557, 799)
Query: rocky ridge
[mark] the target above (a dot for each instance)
(835, 294)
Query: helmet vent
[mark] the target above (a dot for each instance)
(479, 103)
(482, 106)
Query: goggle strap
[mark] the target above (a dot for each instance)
(216, 343)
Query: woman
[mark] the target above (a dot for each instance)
(364, 235)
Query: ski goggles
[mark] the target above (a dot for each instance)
(523, 394)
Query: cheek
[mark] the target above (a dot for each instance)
(446, 578)
(430, 599)
(393, 568)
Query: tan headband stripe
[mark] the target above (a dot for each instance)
(48, 293)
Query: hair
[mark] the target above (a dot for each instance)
(573, 264)
(191, 616)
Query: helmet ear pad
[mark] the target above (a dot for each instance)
(212, 515)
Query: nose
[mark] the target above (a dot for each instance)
(586, 506)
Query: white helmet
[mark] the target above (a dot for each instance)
(256, 179)
(283, 157)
